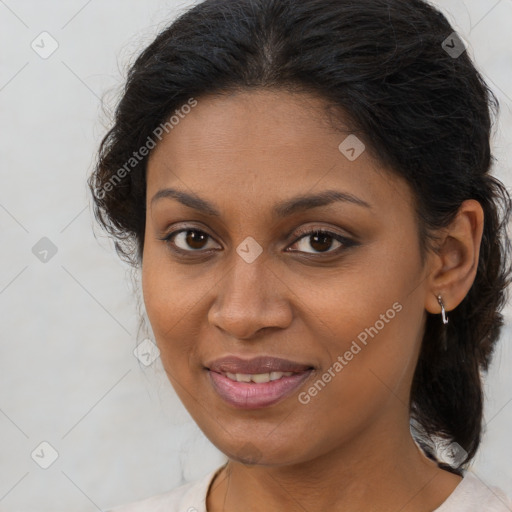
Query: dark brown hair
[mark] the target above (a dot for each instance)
(421, 109)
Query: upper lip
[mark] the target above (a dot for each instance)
(261, 364)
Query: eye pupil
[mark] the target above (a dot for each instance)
(193, 237)
(322, 239)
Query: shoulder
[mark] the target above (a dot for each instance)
(190, 497)
(475, 495)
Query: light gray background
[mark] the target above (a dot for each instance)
(69, 326)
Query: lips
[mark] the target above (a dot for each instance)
(256, 383)
(257, 365)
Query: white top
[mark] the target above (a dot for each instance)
(471, 495)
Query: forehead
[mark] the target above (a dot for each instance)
(264, 144)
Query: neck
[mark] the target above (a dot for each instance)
(389, 473)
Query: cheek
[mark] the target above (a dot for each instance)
(168, 308)
(371, 294)
(167, 296)
(371, 323)
(367, 376)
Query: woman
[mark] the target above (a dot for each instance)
(305, 187)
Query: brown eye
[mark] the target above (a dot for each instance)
(195, 239)
(321, 241)
(188, 240)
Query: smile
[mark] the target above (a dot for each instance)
(258, 378)
(256, 391)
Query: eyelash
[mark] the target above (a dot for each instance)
(345, 242)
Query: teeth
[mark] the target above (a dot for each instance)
(257, 377)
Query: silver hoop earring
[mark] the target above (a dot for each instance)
(443, 311)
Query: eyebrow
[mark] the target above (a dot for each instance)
(282, 209)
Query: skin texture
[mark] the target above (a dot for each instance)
(350, 447)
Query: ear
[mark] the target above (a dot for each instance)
(453, 266)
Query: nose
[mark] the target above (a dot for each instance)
(250, 298)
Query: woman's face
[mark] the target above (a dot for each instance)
(248, 277)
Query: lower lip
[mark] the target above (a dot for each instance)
(250, 395)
